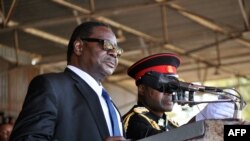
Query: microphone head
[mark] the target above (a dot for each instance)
(161, 82)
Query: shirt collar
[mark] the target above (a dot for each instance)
(87, 78)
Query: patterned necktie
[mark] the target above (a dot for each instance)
(112, 113)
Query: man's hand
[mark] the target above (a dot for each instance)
(117, 138)
(221, 110)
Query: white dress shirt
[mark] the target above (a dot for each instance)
(98, 90)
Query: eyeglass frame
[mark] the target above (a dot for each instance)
(106, 45)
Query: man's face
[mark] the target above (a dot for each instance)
(158, 101)
(96, 61)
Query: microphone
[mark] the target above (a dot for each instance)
(183, 92)
(168, 83)
(192, 87)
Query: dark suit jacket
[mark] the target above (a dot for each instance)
(60, 106)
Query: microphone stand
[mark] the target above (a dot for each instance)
(200, 102)
(229, 98)
(238, 109)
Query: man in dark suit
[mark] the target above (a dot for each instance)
(69, 106)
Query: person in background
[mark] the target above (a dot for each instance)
(1, 116)
(148, 117)
(69, 106)
(6, 127)
(5, 131)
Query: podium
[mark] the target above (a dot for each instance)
(206, 130)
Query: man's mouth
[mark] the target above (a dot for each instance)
(110, 64)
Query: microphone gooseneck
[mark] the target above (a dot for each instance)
(183, 92)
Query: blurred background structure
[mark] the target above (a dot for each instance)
(211, 36)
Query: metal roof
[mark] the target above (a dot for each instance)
(211, 36)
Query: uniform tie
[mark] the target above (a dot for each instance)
(112, 114)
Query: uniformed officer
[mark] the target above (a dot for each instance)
(148, 117)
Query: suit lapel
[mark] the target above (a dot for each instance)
(93, 102)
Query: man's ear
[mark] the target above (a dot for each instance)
(78, 47)
(141, 89)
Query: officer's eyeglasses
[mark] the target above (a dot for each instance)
(107, 45)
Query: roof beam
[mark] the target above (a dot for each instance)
(117, 25)
(210, 24)
(41, 34)
(181, 10)
(24, 58)
(106, 20)
(92, 5)
(10, 12)
(245, 15)
(105, 12)
(164, 23)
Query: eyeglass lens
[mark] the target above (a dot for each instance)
(109, 46)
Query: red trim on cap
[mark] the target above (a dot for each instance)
(160, 69)
(151, 57)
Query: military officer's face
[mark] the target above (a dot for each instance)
(158, 101)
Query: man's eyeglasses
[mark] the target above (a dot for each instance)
(107, 45)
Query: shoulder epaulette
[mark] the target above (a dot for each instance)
(137, 110)
(140, 110)
(173, 122)
(126, 120)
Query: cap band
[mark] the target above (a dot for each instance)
(160, 69)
